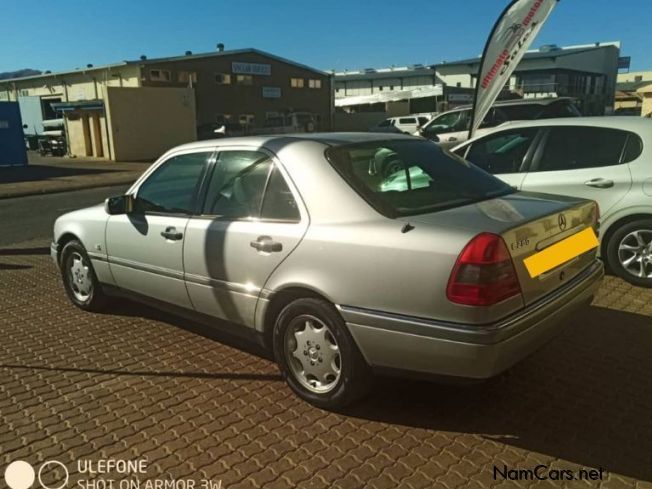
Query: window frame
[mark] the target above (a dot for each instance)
(223, 76)
(196, 193)
(160, 79)
(276, 165)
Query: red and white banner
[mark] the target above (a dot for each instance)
(510, 38)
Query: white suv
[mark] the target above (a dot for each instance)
(607, 159)
(408, 124)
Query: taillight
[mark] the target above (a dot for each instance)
(484, 273)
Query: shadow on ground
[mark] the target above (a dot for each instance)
(24, 251)
(584, 398)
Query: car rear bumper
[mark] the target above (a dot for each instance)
(395, 342)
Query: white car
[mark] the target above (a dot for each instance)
(408, 124)
(451, 128)
(606, 159)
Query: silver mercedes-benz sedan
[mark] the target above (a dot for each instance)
(343, 254)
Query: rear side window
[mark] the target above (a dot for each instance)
(573, 148)
(503, 152)
(633, 148)
(404, 177)
(278, 203)
(407, 120)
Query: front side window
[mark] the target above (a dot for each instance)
(236, 187)
(573, 148)
(503, 152)
(403, 177)
(172, 187)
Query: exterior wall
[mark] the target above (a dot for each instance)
(82, 85)
(634, 76)
(236, 100)
(145, 122)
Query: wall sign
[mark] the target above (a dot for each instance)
(271, 92)
(251, 68)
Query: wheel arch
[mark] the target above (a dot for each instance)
(278, 301)
(63, 240)
(615, 225)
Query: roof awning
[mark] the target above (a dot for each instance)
(78, 105)
(390, 96)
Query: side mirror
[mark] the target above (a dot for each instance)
(120, 204)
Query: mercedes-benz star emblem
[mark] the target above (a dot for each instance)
(561, 219)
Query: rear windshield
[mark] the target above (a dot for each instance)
(408, 177)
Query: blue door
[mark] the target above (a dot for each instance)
(12, 140)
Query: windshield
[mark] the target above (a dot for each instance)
(449, 122)
(403, 177)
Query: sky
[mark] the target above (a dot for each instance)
(332, 34)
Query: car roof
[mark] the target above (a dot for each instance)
(633, 123)
(278, 141)
(518, 101)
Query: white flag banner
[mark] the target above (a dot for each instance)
(513, 33)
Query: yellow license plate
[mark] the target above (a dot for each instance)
(561, 252)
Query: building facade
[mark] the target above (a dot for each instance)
(586, 72)
(137, 109)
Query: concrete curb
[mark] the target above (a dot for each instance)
(69, 187)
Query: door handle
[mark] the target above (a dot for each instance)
(452, 138)
(266, 244)
(599, 183)
(171, 234)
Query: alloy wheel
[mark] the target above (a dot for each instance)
(635, 253)
(81, 283)
(312, 353)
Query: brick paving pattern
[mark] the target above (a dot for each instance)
(135, 383)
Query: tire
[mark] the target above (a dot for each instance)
(332, 354)
(633, 242)
(79, 279)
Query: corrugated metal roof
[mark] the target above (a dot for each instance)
(555, 53)
(134, 62)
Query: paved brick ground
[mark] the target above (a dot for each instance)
(134, 383)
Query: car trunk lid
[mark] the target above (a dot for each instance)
(528, 223)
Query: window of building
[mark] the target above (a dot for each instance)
(159, 75)
(222, 78)
(296, 82)
(244, 80)
(246, 119)
(187, 76)
(221, 118)
(314, 83)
